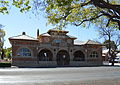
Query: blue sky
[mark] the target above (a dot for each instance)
(15, 23)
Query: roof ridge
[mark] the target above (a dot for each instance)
(24, 37)
(94, 42)
(30, 36)
(15, 36)
(87, 41)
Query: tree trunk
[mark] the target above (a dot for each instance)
(2, 54)
(113, 55)
(112, 63)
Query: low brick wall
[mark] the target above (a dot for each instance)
(53, 63)
(34, 63)
(84, 63)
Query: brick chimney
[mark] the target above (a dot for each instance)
(37, 33)
(23, 33)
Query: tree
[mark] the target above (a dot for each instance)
(113, 51)
(82, 12)
(2, 34)
(23, 5)
(8, 53)
(112, 41)
(75, 12)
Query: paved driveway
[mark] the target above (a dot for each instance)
(57, 76)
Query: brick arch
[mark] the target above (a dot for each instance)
(65, 49)
(82, 50)
(45, 55)
(63, 58)
(79, 56)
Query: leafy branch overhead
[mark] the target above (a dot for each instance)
(23, 5)
(75, 12)
(78, 12)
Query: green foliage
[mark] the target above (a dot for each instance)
(23, 5)
(63, 12)
(2, 34)
(3, 6)
(8, 53)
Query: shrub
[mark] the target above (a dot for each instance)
(5, 64)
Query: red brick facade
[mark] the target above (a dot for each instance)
(54, 48)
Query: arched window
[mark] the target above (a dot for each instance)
(94, 54)
(24, 52)
(79, 56)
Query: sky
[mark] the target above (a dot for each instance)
(15, 23)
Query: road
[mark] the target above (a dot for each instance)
(57, 76)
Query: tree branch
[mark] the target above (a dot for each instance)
(84, 4)
(113, 18)
(102, 4)
(93, 18)
(108, 22)
(112, 15)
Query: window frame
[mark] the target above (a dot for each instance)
(24, 52)
(94, 54)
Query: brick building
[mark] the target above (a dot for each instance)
(52, 49)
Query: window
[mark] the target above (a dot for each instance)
(94, 54)
(57, 41)
(24, 52)
(79, 56)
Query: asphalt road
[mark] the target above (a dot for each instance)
(55, 76)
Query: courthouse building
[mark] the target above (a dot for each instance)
(54, 48)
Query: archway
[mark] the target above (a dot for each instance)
(79, 56)
(63, 58)
(45, 55)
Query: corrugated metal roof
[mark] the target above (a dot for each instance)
(45, 34)
(69, 36)
(91, 42)
(23, 37)
(77, 42)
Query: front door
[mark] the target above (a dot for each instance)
(63, 58)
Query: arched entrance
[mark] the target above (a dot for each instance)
(63, 58)
(45, 55)
(79, 56)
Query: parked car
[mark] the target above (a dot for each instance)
(117, 59)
